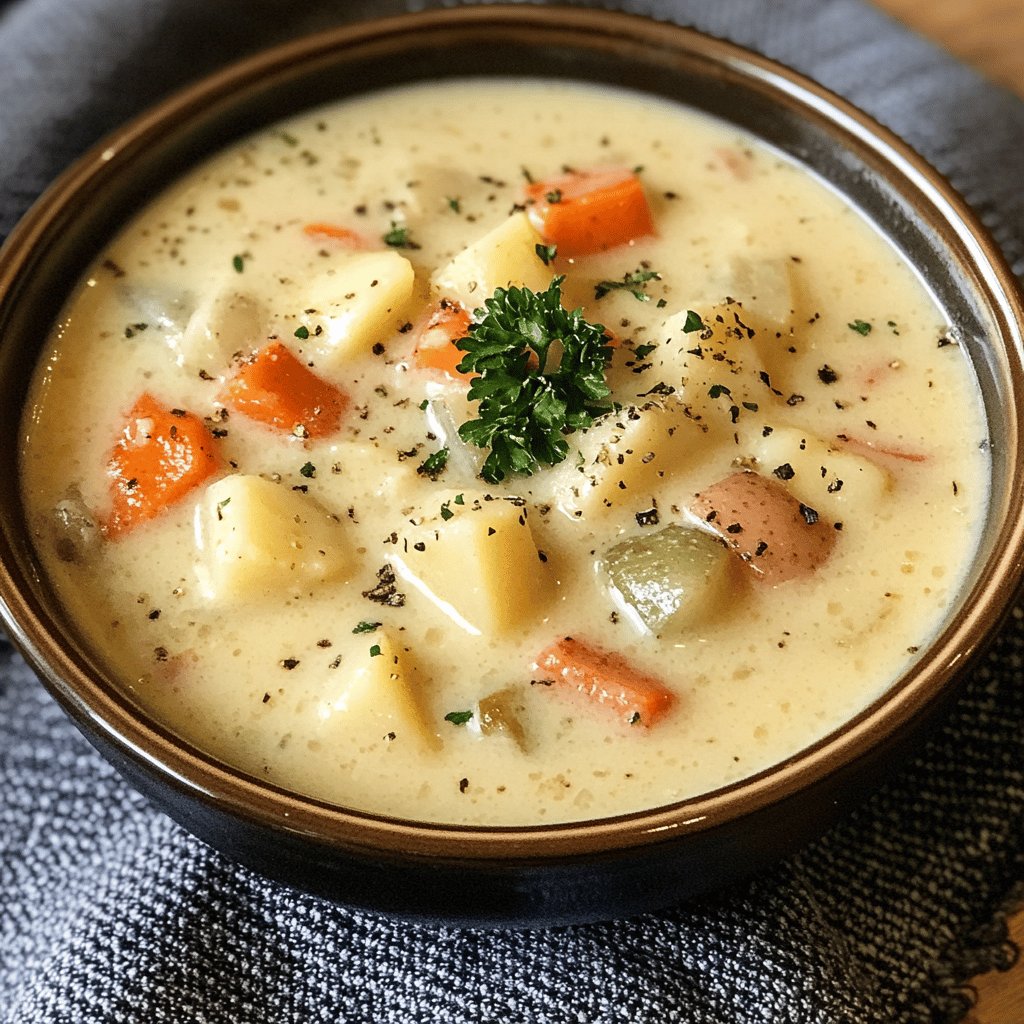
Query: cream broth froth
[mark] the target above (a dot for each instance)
(775, 515)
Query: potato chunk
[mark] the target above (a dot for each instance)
(356, 303)
(505, 256)
(479, 565)
(379, 700)
(836, 482)
(776, 535)
(623, 458)
(670, 580)
(257, 537)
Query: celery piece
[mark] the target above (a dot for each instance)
(669, 580)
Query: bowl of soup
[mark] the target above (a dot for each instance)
(506, 466)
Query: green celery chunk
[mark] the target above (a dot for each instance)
(672, 579)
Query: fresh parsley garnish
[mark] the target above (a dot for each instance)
(398, 237)
(454, 204)
(365, 626)
(458, 717)
(433, 465)
(633, 282)
(308, 471)
(862, 327)
(554, 196)
(526, 405)
(375, 651)
(238, 262)
(302, 332)
(643, 351)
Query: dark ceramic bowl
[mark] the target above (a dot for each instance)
(556, 873)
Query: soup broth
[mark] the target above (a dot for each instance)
(244, 471)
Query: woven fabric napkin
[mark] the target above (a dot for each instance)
(110, 912)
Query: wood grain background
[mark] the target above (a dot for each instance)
(988, 34)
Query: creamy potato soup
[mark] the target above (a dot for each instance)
(498, 453)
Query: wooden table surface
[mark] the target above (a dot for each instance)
(988, 34)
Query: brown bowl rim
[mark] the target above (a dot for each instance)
(98, 704)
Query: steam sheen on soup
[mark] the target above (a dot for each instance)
(501, 452)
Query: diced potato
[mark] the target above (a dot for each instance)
(379, 700)
(725, 370)
(257, 537)
(670, 580)
(834, 481)
(480, 565)
(226, 321)
(503, 257)
(623, 458)
(764, 287)
(777, 536)
(357, 302)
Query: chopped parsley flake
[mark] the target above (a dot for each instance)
(398, 237)
(302, 332)
(375, 651)
(693, 323)
(643, 351)
(862, 327)
(433, 465)
(633, 282)
(308, 471)
(546, 253)
(365, 626)
(554, 196)
(458, 717)
(454, 204)
(238, 263)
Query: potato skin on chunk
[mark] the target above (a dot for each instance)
(775, 534)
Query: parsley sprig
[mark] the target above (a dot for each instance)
(541, 376)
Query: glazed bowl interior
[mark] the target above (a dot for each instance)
(893, 189)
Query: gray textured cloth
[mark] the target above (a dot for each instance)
(109, 912)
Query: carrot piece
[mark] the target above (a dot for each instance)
(337, 232)
(277, 389)
(437, 344)
(605, 678)
(584, 212)
(161, 456)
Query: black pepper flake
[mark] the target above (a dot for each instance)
(810, 515)
(794, 399)
(734, 528)
(784, 472)
(827, 375)
(324, 643)
(384, 591)
(649, 517)
(154, 615)
(835, 486)
(463, 785)
(945, 342)
(266, 697)
(378, 349)
(288, 663)
(160, 653)
(762, 547)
